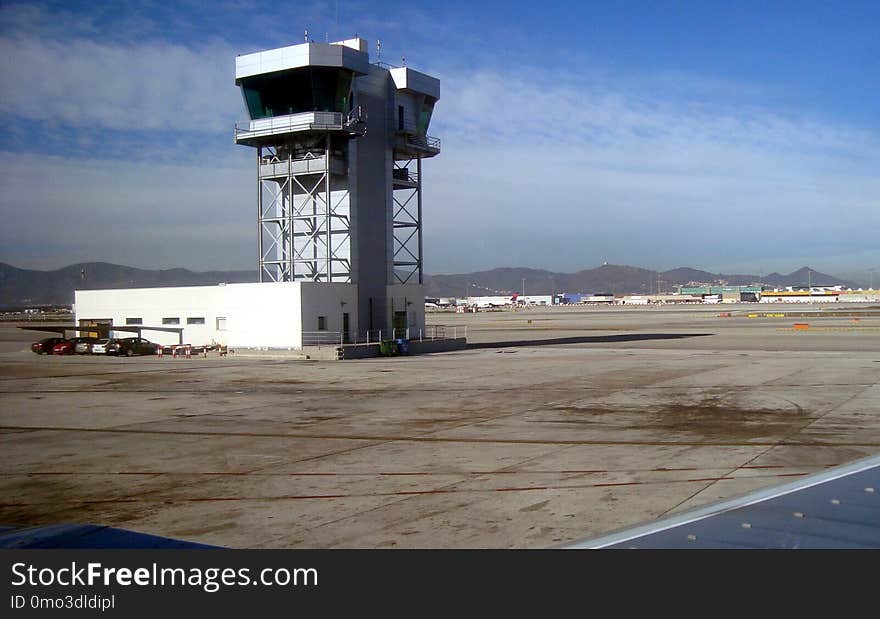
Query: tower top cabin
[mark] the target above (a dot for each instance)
(318, 87)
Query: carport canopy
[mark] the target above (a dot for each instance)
(103, 330)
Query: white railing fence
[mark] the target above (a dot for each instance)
(376, 336)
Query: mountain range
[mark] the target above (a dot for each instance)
(24, 287)
(609, 278)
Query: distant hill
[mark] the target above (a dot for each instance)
(23, 287)
(19, 287)
(609, 278)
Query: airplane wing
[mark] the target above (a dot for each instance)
(837, 508)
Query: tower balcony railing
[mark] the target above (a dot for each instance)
(354, 122)
(417, 144)
(425, 141)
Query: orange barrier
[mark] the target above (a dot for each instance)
(801, 326)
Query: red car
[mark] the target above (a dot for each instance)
(64, 347)
(44, 347)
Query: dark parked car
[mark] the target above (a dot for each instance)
(131, 346)
(44, 347)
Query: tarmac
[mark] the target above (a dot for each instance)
(555, 424)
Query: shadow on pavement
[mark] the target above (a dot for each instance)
(589, 339)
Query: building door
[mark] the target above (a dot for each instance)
(399, 324)
(345, 328)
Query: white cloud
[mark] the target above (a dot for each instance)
(142, 86)
(546, 168)
(538, 171)
(57, 211)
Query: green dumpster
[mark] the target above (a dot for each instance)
(388, 348)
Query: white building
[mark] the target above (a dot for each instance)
(489, 301)
(535, 299)
(278, 315)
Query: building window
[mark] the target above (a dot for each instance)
(400, 117)
(322, 323)
(171, 321)
(195, 321)
(221, 323)
(134, 321)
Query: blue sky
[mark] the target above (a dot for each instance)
(731, 136)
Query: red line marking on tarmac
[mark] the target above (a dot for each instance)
(317, 496)
(492, 472)
(313, 474)
(404, 492)
(209, 499)
(518, 489)
(767, 466)
(400, 474)
(95, 501)
(407, 473)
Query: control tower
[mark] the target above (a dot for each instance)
(339, 147)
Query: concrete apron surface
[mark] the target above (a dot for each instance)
(517, 445)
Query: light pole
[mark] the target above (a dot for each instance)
(523, 286)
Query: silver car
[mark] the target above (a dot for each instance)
(84, 345)
(100, 347)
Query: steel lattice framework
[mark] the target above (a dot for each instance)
(304, 215)
(407, 221)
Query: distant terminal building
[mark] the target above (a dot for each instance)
(647, 299)
(575, 298)
(535, 299)
(859, 296)
(726, 294)
(514, 300)
(820, 294)
(338, 146)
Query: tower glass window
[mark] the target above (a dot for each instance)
(425, 115)
(312, 89)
